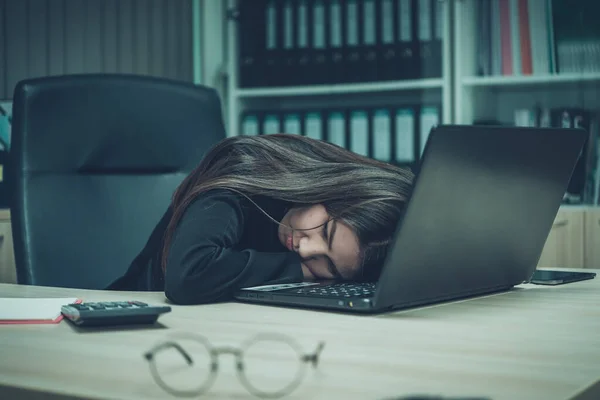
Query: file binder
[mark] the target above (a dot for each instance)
(438, 17)
(381, 137)
(425, 38)
(303, 75)
(292, 124)
(496, 38)
(538, 33)
(250, 124)
(273, 45)
(335, 39)
(429, 117)
(318, 65)
(484, 41)
(505, 38)
(336, 128)
(313, 125)
(271, 124)
(387, 44)
(251, 34)
(404, 135)
(370, 41)
(393, 134)
(289, 52)
(407, 52)
(525, 38)
(359, 132)
(352, 50)
(515, 34)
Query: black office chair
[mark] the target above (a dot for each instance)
(93, 164)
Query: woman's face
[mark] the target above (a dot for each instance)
(329, 249)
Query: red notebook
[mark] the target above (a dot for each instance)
(20, 310)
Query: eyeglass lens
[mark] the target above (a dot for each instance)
(269, 366)
(175, 371)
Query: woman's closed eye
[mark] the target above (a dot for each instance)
(324, 232)
(321, 263)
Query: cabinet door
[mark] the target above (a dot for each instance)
(564, 246)
(592, 239)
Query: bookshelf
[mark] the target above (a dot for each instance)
(480, 81)
(492, 81)
(341, 89)
(550, 80)
(531, 63)
(366, 95)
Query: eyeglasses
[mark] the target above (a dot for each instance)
(268, 365)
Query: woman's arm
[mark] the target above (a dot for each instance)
(202, 265)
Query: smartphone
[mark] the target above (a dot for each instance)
(549, 277)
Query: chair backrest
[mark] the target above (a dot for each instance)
(93, 164)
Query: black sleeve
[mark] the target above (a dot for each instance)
(203, 265)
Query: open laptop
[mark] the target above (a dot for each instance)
(483, 203)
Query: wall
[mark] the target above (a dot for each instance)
(54, 37)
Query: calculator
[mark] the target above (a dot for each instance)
(107, 313)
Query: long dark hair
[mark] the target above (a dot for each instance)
(367, 195)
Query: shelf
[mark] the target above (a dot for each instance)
(550, 79)
(316, 90)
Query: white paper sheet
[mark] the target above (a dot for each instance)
(24, 309)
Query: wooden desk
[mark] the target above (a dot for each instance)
(531, 343)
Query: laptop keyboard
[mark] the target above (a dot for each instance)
(345, 290)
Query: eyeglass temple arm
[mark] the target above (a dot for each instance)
(314, 357)
(150, 354)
